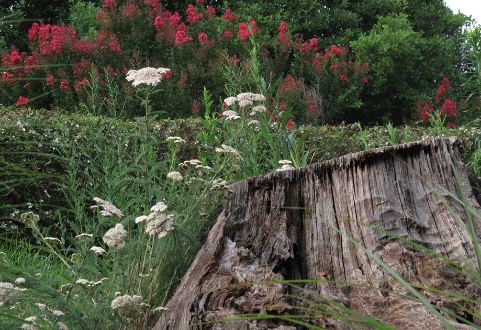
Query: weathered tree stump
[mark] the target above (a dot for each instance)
(321, 223)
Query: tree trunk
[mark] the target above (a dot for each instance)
(328, 222)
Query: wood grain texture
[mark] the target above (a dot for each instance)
(317, 223)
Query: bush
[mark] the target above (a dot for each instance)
(402, 66)
(134, 34)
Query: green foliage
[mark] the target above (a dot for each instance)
(82, 17)
(402, 65)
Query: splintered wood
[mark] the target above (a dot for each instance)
(338, 225)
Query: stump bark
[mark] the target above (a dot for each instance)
(324, 223)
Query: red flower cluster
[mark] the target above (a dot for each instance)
(448, 108)
(22, 102)
(228, 16)
(52, 39)
(192, 16)
(211, 10)
(443, 89)
(203, 39)
(290, 85)
(424, 110)
(243, 32)
(130, 10)
(181, 38)
(283, 36)
(311, 46)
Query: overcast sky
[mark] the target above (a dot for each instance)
(468, 7)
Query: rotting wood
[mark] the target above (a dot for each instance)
(310, 224)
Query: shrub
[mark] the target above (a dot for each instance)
(198, 47)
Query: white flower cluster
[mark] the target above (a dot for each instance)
(157, 222)
(196, 164)
(175, 176)
(108, 209)
(175, 140)
(83, 236)
(7, 292)
(244, 100)
(219, 184)
(225, 149)
(286, 165)
(128, 306)
(87, 283)
(97, 250)
(230, 115)
(147, 76)
(115, 237)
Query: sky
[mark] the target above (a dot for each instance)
(468, 7)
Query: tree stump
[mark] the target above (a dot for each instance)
(324, 223)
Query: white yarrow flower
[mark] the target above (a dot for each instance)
(251, 97)
(41, 306)
(57, 313)
(83, 236)
(230, 101)
(128, 306)
(108, 209)
(245, 103)
(285, 162)
(97, 250)
(229, 113)
(7, 292)
(159, 207)
(115, 237)
(140, 219)
(175, 140)
(20, 280)
(258, 109)
(175, 176)
(147, 76)
(285, 168)
(225, 149)
(159, 224)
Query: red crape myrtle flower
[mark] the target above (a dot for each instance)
(451, 125)
(424, 110)
(449, 108)
(181, 38)
(192, 16)
(290, 124)
(158, 23)
(64, 85)
(243, 32)
(211, 10)
(228, 15)
(443, 89)
(22, 102)
(203, 38)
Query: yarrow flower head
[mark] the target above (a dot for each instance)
(175, 140)
(7, 292)
(230, 101)
(175, 176)
(128, 306)
(97, 250)
(157, 222)
(147, 76)
(108, 209)
(225, 149)
(115, 237)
